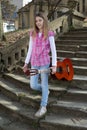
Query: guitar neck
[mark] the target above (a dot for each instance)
(44, 71)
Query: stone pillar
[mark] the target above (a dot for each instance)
(31, 17)
(26, 19)
(20, 20)
(85, 23)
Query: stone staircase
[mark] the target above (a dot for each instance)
(67, 105)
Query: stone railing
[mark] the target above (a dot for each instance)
(78, 19)
(13, 53)
(85, 23)
(61, 24)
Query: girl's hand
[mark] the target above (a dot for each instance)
(54, 68)
(25, 67)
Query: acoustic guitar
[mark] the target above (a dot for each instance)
(64, 70)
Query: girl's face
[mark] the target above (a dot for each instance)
(39, 22)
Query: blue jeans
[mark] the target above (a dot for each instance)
(43, 86)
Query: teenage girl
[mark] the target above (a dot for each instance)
(40, 43)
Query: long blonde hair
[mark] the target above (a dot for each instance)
(45, 27)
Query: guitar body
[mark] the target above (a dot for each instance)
(64, 69)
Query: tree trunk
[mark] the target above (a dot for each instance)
(1, 23)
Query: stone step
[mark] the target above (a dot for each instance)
(9, 123)
(80, 81)
(69, 108)
(58, 122)
(63, 90)
(79, 30)
(55, 86)
(76, 61)
(81, 54)
(14, 92)
(84, 32)
(23, 113)
(83, 48)
(80, 70)
(18, 111)
(75, 34)
(72, 48)
(71, 37)
(79, 95)
(19, 81)
(71, 42)
(77, 81)
(30, 97)
(63, 53)
(20, 95)
(71, 54)
(69, 48)
(33, 100)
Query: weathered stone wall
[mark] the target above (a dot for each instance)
(78, 19)
(77, 23)
(15, 52)
(58, 23)
(61, 24)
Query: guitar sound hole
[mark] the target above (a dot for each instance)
(60, 70)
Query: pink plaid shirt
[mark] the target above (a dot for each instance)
(40, 50)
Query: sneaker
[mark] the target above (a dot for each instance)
(41, 112)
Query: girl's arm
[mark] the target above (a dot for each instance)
(54, 55)
(27, 60)
(53, 50)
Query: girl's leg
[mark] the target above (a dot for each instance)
(44, 85)
(34, 81)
